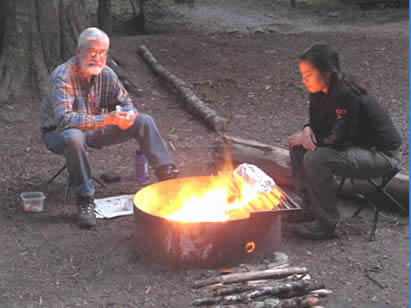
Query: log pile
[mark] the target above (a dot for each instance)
(280, 285)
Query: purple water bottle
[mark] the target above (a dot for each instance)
(141, 166)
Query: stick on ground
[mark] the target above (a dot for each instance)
(239, 277)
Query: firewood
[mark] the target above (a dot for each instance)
(278, 264)
(278, 290)
(207, 301)
(321, 292)
(191, 101)
(268, 274)
(249, 296)
(239, 277)
(300, 302)
(296, 292)
(234, 290)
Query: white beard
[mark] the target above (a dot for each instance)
(93, 69)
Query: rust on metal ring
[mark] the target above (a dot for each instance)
(249, 247)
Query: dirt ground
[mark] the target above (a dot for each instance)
(241, 58)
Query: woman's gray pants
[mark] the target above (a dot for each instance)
(73, 143)
(313, 173)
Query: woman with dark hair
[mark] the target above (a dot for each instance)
(349, 134)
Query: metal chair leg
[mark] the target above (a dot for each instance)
(98, 181)
(374, 226)
(359, 196)
(57, 174)
(67, 188)
(66, 192)
(341, 185)
(380, 192)
(377, 210)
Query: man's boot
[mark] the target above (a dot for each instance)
(166, 172)
(86, 218)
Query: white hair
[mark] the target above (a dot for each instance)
(91, 33)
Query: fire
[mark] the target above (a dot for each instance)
(227, 196)
(221, 200)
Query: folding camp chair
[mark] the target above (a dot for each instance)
(378, 195)
(67, 188)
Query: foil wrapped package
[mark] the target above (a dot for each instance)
(255, 177)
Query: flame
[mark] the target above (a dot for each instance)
(226, 197)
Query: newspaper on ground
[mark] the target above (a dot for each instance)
(114, 206)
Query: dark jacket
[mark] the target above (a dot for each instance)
(352, 119)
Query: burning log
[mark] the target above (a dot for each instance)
(191, 101)
(257, 275)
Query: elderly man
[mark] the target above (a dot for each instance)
(85, 105)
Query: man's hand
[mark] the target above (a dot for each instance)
(122, 119)
(306, 138)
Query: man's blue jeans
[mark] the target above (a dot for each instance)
(73, 143)
(313, 173)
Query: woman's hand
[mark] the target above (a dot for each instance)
(308, 140)
(295, 139)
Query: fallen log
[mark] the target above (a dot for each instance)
(276, 163)
(257, 275)
(273, 160)
(190, 100)
(121, 74)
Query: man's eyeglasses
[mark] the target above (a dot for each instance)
(94, 53)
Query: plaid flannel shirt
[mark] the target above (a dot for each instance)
(69, 101)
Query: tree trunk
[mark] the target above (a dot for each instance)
(36, 36)
(104, 16)
(139, 15)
